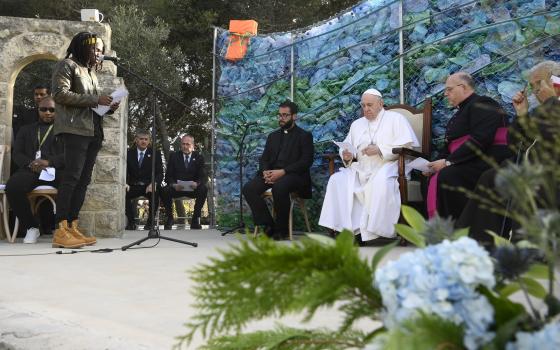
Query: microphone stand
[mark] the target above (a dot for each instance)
(154, 229)
(241, 224)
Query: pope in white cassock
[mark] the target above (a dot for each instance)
(364, 196)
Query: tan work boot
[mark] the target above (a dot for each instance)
(62, 238)
(90, 240)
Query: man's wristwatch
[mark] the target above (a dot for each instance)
(447, 163)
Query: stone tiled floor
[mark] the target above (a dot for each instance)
(137, 299)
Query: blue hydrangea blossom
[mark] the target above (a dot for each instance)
(442, 280)
(547, 338)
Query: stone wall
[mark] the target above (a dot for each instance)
(25, 40)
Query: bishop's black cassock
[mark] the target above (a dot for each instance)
(479, 125)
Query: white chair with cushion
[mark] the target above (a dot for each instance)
(421, 122)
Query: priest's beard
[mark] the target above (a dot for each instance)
(287, 125)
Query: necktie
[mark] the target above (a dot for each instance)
(187, 160)
(140, 159)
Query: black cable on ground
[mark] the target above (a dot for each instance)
(73, 251)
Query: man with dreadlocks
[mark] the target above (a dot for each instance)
(75, 91)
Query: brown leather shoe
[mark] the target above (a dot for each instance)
(62, 238)
(90, 240)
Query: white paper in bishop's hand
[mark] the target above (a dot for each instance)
(347, 146)
(48, 174)
(117, 95)
(187, 186)
(420, 164)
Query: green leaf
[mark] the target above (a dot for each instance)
(425, 332)
(414, 218)
(410, 235)
(534, 287)
(380, 254)
(526, 244)
(321, 238)
(464, 232)
(509, 289)
(538, 271)
(504, 309)
(505, 332)
(498, 240)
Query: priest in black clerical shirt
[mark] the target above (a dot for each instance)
(284, 167)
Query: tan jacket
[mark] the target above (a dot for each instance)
(74, 89)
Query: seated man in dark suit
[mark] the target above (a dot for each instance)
(25, 116)
(139, 177)
(185, 165)
(35, 149)
(284, 167)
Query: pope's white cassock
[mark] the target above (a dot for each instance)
(364, 196)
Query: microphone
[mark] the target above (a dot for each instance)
(254, 122)
(108, 58)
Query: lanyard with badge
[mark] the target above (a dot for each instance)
(41, 141)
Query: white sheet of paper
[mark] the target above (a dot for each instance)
(117, 95)
(347, 146)
(187, 186)
(420, 164)
(48, 174)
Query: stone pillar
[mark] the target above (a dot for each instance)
(25, 40)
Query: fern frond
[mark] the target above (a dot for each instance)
(284, 338)
(426, 332)
(261, 278)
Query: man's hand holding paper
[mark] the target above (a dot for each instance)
(117, 97)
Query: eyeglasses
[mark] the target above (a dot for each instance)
(44, 109)
(449, 88)
(284, 115)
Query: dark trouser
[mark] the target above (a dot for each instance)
(80, 153)
(451, 202)
(136, 191)
(19, 185)
(281, 190)
(481, 219)
(199, 194)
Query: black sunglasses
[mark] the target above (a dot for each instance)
(44, 109)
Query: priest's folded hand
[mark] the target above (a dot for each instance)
(271, 176)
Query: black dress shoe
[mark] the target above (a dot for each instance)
(195, 224)
(377, 242)
(147, 227)
(130, 227)
(168, 224)
(281, 236)
(268, 231)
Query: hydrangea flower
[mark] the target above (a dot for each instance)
(547, 338)
(441, 279)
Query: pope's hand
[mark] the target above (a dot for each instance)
(371, 150)
(347, 155)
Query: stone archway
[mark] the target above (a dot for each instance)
(25, 40)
